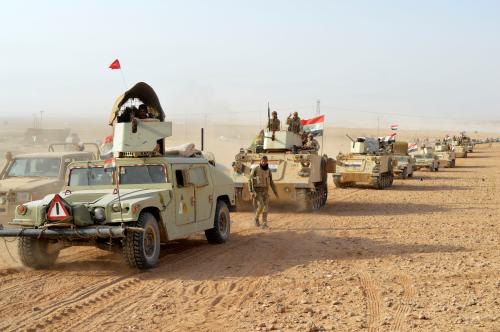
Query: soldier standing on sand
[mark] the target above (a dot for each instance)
(260, 181)
(294, 124)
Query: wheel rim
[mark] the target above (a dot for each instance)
(223, 223)
(149, 241)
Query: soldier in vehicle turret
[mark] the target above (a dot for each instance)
(294, 124)
(274, 123)
(260, 181)
(311, 144)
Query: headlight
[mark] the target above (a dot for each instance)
(23, 197)
(21, 210)
(99, 214)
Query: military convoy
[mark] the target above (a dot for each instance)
(445, 154)
(368, 162)
(300, 176)
(132, 203)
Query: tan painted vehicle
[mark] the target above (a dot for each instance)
(426, 159)
(404, 165)
(27, 177)
(145, 196)
(468, 143)
(367, 163)
(445, 154)
(300, 176)
(459, 147)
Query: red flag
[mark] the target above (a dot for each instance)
(115, 65)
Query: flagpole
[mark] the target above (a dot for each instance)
(123, 79)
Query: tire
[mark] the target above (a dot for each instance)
(34, 253)
(222, 225)
(404, 174)
(141, 250)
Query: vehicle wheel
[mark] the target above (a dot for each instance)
(35, 253)
(142, 249)
(324, 194)
(222, 225)
(304, 200)
(404, 174)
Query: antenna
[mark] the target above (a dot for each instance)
(202, 139)
(318, 109)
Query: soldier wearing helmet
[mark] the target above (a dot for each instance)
(311, 144)
(260, 180)
(294, 124)
(274, 122)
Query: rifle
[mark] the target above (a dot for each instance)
(349, 137)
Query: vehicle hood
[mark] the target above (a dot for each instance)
(106, 196)
(25, 183)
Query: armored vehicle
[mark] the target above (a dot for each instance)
(404, 163)
(426, 158)
(27, 177)
(368, 162)
(300, 176)
(459, 147)
(445, 154)
(132, 203)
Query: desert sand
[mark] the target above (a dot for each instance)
(422, 255)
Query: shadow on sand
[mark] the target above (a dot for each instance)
(257, 254)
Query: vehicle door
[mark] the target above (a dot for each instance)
(184, 195)
(203, 195)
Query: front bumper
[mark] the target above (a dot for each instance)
(70, 233)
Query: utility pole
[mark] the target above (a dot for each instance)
(41, 116)
(318, 110)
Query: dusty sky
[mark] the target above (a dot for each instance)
(410, 62)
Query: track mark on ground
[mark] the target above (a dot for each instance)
(404, 307)
(373, 300)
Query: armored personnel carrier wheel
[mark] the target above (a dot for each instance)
(142, 249)
(222, 225)
(36, 253)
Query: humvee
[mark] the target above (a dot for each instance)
(368, 162)
(132, 203)
(426, 158)
(300, 176)
(32, 176)
(445, 154)
(404, 163)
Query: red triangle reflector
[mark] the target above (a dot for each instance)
(57, 210)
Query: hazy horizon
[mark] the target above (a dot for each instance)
(426, 64)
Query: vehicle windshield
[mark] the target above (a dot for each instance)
(43, 167)
(90, 176)
(136, 174)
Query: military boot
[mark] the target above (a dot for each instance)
(264, 220)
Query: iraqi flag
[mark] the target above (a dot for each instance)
(412, 147)
(314, 125)
(394, 126)
(110, 165)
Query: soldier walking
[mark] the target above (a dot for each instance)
(294, 124)
(260, 181)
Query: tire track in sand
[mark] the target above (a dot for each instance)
(404, 307)
(373, 300)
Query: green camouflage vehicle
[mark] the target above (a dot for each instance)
(426, 158)
(132, 203)
(445, 154)
(368, 162)
(300, 176)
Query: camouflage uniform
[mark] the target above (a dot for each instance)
(273, 125)
(311, 145)
(294, 125)
(259, 183)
